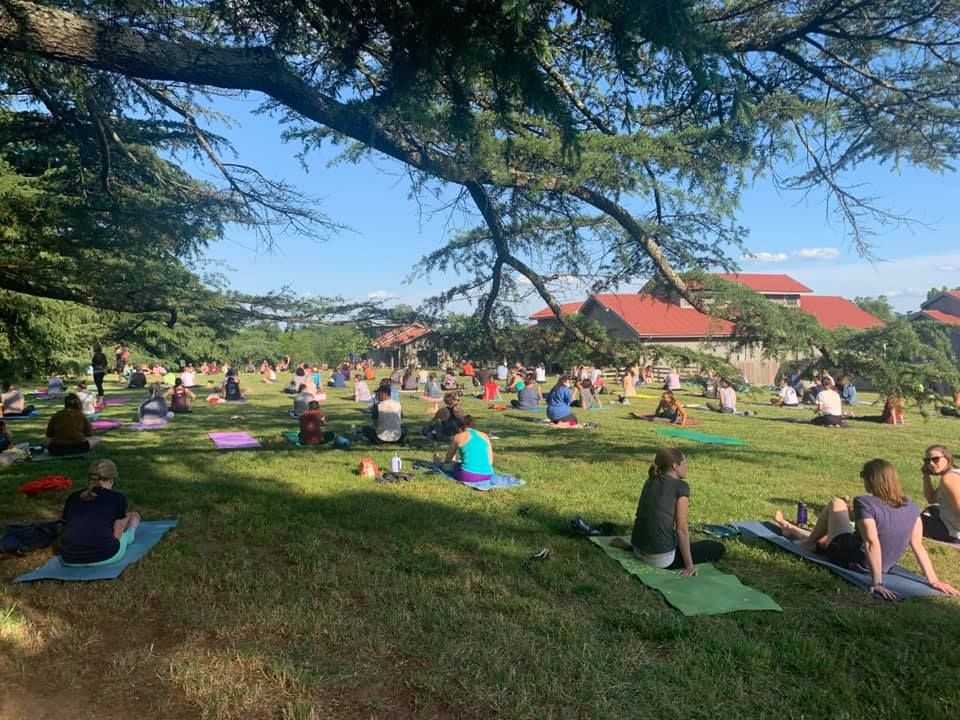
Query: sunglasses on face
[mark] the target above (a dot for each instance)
(933, 459)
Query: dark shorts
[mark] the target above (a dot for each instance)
(828, 420)
(846, 551)
(69, 449)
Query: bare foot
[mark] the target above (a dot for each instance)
(780, 520)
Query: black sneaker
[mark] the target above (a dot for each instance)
(578, 526)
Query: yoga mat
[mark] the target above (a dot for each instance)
(709, 592)
(903, 582)
(148, 534)
(233, 440)
(44, 456)
(293, 437)
(651, 419)
(700, 437)
(116, 400)
(29, 415)
(104, 425)
(146, 426)
(497, 481)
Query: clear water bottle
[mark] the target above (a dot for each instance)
(395, 463)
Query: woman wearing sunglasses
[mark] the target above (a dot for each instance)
(886, 524)
(941, 520)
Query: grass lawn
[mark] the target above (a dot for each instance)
(293, 589)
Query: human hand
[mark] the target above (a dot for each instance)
(882, 592)
(688, 572)
(945, 588)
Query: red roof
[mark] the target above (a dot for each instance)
(400, 336)
(765, 282)
(940, 316)
(565, 309)
(652, 316)
(832, 311)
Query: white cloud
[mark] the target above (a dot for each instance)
(904, 293)
(825, 253)
(948, 268)
(765, 257)
(381, 295)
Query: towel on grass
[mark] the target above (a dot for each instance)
(700, 437)
(495, 482)
(27, 416)
(709, 592)
(903, 582)
(234, 440)
(104, 425)
(148, 534)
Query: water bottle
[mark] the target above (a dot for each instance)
(353, 431)
(395, 463)
(801, 513)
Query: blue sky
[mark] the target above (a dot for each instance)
(390, 230)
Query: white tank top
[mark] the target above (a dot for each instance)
(949, 515)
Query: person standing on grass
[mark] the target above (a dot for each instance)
(98, 528)
(99, 364)
(661, 534)
(941, 519)
(886, 523)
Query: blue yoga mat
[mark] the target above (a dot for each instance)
(497, 481)
(29, 415)
(148, 534)
(903, 582)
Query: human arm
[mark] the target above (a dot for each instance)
(929, 492)
(683, 536)
(923, 559)
(451, 450)
(867, 528)
(681, 415)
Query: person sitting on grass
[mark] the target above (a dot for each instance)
(361, 391)
(629, 386)
(13, 403)
(180, 397)
(388, 416)
(728, 399)
(69, 431)
(450, 381)
(529, 397)
(187, 377)
(475, 451)
(887, 522)
(829, 406)
(88, 400)
(312, 422)
(409, 383)
(670, 410)
(138, 378)
(786, 395)
(55, 386)
(98, 526)
(446, 420)
(587, 396)
(337, 379)
(661, 533)
(432, 389)
(231, 387)
(153, 410)
(559, 402)
(301, 401)
(491, 390)
(941, 519)
(672, 380)
(848, 391)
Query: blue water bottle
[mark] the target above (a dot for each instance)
(801, 513)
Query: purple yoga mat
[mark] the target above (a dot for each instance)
(116, 400)
(105, 425)
(233, 440)
(146, 426)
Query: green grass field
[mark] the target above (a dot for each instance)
(294, 589)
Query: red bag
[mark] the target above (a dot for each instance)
(369, 469)
(47, 482)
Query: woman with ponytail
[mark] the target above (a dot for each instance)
(98, 528)
(661, 536)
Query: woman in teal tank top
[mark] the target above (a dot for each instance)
(476, 453)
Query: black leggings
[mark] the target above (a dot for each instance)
(933, 527)
(98, 381)
(702, 551)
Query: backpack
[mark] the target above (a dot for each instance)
(369, 469)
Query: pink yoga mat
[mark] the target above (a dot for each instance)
(116, 400)
(105, 425)
(233, 440)
(146, 426)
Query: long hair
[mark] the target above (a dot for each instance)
(946, 453)
(560, 381)
(100, 471)
(72, 402)
(664, 461)
(881, 480)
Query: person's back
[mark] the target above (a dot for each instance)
(12, 402)
(490, 389)
(138, 379)
(368, 373)
(361, 391)
(654, 528)
(179, 399)
(338, 380)
(187, 378)
(529, 397)
(672, 381)
(501, 372)
(558, 402)
(894, 525)
(88, 401)
(475, 454)
(153, 409)
(540, 373)
(410, 382)
(828, 402)
(311, 427)
(389, 425)
(301, 402)
(433, 389)
(788, 395)
(231, 388)
(88, 532)
(68, 430)
(848, 393)
(728, 399)
(588, 397)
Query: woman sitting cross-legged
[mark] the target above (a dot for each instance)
(98, 526)
(475, 450)
(941, 520)
(886, 523)
(587, 396)
(446, 421)
(69, 431)
(153, 410)
(529, 397)
(661, 535)
(559, 401)
(432, 389)
(180, 397)
(312, 421)
(361, 391)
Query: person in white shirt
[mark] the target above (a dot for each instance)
(786, 395)
(387, 415)
(186, 377)
(88, 400)
(829, 406)
(502, 371)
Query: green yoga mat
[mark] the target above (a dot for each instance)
(709, 592)
(700, 437)
(293, 437)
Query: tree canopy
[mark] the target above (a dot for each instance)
(609, 140)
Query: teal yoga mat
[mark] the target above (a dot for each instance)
(293, 437)
(148, 535)
(709, 592)
(700, 436)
